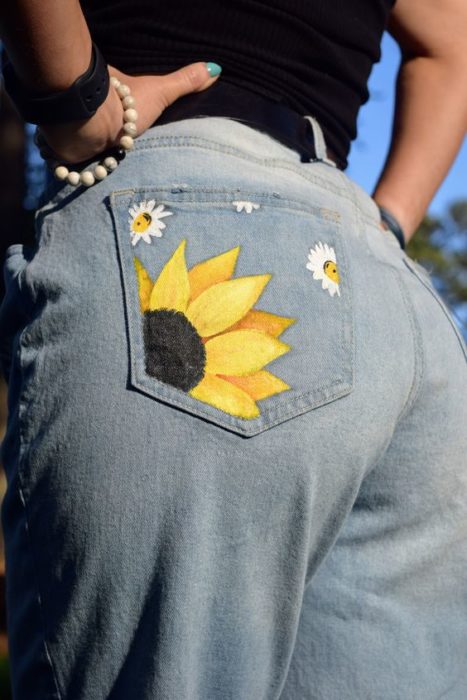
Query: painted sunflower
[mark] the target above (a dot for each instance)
(202, 335)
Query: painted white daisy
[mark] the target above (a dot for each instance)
(145, 221)
(245, 206)
(323, 265)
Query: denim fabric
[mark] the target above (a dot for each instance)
(236, 442)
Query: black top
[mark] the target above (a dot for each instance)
(313, 55)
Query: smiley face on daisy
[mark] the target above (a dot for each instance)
(145, 221)
(323, 264)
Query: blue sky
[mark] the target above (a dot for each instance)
(374, 127)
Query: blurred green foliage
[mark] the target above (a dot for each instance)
(440, 245)
(5, 689)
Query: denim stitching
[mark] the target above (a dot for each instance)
(192, 196)
(204, 144)
(418, 351)
(56, 193)
(287, 408)
(427, 284)
(21, 458)
(290, 402)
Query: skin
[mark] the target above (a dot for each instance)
(430, 118)
(49, 44)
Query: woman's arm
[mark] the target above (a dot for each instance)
(49, 45)
(47, 41)
(430, 117)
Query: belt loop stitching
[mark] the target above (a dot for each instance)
(320, 142)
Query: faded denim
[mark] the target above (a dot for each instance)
(161, 548)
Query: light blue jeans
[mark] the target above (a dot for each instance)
(237, 438)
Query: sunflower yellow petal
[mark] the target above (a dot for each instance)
(259, 385)
(212, 271)
(171, 290)
(223, 304)
(264, 321)
(144, 284)
(225, 396)
(241, 352)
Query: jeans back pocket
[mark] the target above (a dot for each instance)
(238, 304)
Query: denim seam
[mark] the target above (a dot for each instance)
(289, 403)
(269, 417)
(204, 144)
(272, 199)
(52, 197)
(21, 490)
(415, 329)
(360, 216)
(416, 378)
(419, 274)
(393, 250)
(418, 351)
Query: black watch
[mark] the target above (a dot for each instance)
(392, 224)
(80, 101)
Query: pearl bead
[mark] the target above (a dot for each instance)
(126, 142)
(100, 172)
(123, 90)
(120, 153)
(130, 129)
(110, 163)
(73, 178)
(130, 115)
(61, 173)
(87, 178)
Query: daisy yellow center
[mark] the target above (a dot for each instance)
(141, 222)
(330, 269)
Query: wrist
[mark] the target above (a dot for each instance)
(78, 141)
(90, 138)
(78, 102)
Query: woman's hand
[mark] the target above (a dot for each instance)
(83, 140)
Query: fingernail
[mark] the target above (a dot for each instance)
(213, 69)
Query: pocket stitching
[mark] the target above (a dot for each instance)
(270, 415)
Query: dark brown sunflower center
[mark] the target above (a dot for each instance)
(174, 351)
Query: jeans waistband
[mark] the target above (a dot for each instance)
(223, 99)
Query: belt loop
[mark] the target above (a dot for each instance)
(320, 143)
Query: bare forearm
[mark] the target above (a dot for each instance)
(49, 44)
(429, 125)
(47, 41)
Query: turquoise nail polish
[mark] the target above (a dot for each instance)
(213, 69)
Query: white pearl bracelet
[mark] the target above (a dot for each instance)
(108, 164)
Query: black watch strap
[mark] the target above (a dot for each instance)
(80, 101)
(392, 224)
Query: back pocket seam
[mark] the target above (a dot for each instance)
(276, 412)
